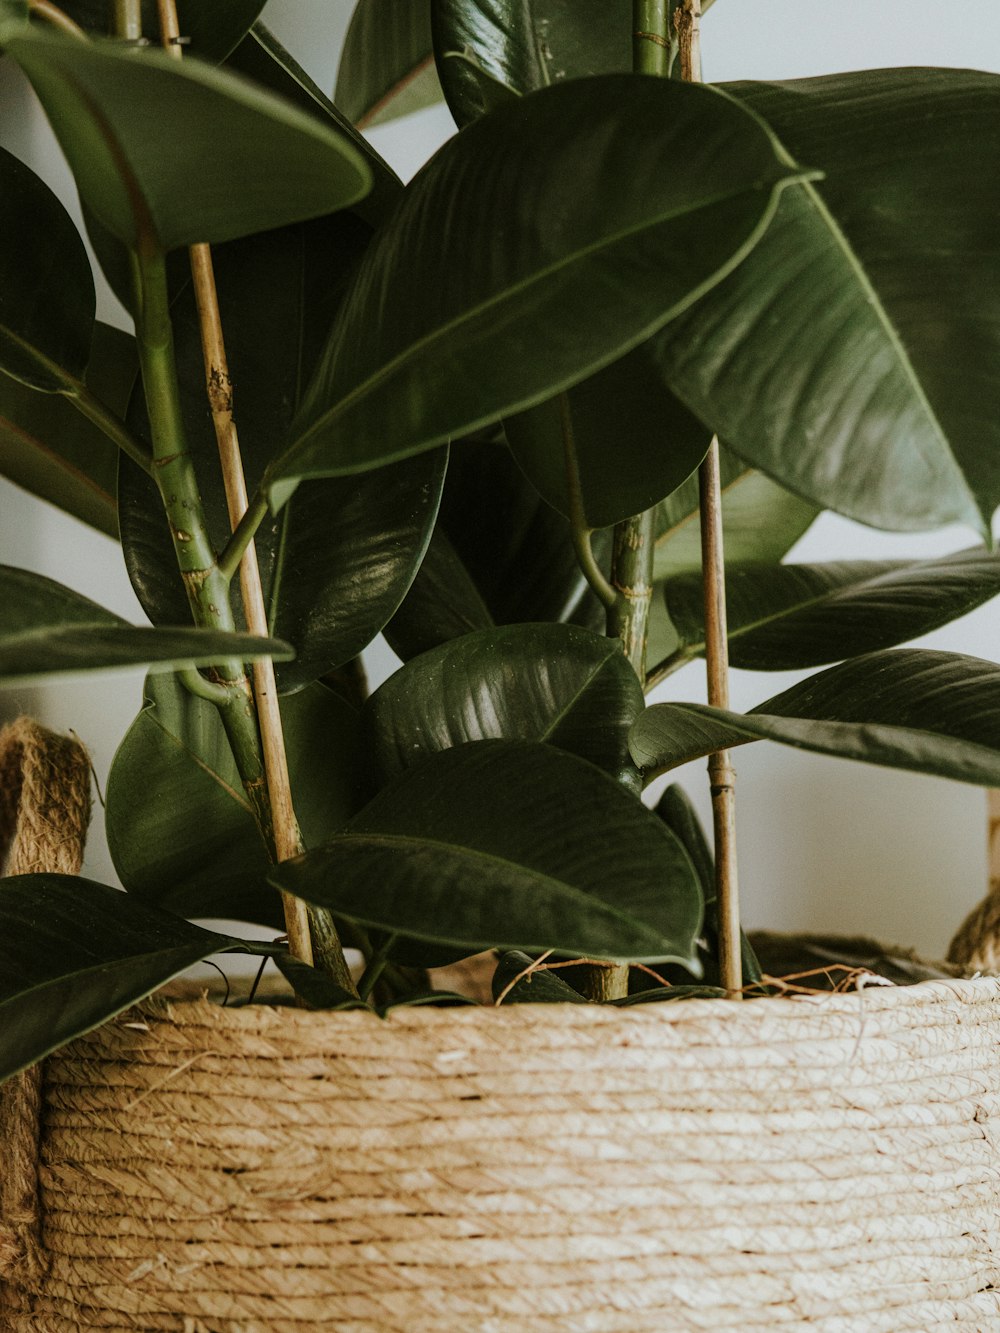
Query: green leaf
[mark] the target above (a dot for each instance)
(74, 953)
(47, 310)
(337, 561)
(909, 708)
(537, 987)
(552, 683)
(511, 844)
(179, 826)
(434, 341)
(499, 554)
(142, 138)
(54, 451)
(387, 63)
(213, 30)
(47, 629)
(523, 46)
(856, 355)
(633, 441)
(261, 57)
(668, 994)
(314, 987)
(762, 521)
(785, 617)
(675, 809)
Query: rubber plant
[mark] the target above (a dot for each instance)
(472, 414)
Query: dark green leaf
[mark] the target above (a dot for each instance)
(633, 441)
(179, 826)
(856, 355)
(47, 308)
(261, 57)
(314, 987)
(762, 521)
(537, 987)
(74, 953)
(54, 451)
(784, 617)
(524, 46)
(909, 708)
(387, 64)
(509, 844)
(675, 809)
(132, 128)
(499, 554)
(337, 561)
(624, 230)
(47, 628)
(553, 683)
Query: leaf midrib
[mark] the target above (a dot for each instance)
(468, 316)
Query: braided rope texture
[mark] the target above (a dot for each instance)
(44, 813)
(825, 1164)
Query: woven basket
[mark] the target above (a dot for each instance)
(791, 1164)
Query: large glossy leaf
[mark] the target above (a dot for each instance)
(632, 440)
(47, 628)
(387, 63)
(523, 45)
(553, 683)
(51, 449)
(211, 30)
(785, 617)
(179, 826)
(515, 981)
(512, 844)
(261, 57)
(74, 953)
(642, 193)
(499, 554)
(47, 310)
(142, 138)
(337, 561)
(856, 356)
(908, 708)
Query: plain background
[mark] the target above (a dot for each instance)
(824, 844)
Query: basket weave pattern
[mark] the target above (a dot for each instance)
(777, 1165)
(825, 1164)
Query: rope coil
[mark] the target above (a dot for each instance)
(44, 813)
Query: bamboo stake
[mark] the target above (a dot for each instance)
(287, 836)
(722, 775)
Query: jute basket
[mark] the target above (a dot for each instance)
(794, 1164)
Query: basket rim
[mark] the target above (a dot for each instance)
(939, 994)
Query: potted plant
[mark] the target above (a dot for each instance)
(601, 275)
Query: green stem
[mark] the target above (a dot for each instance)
(173, 470)
(201, 687)
(375, 968)
(672, 662)
(580, 531)
(243, 534)
(651, 37)
(632, 547)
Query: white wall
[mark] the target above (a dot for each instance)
(824, 844)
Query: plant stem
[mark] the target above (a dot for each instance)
(722, 775)
(128, 19)
(56, 17)
(650, 37)
(631, 584)
(580, 531)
